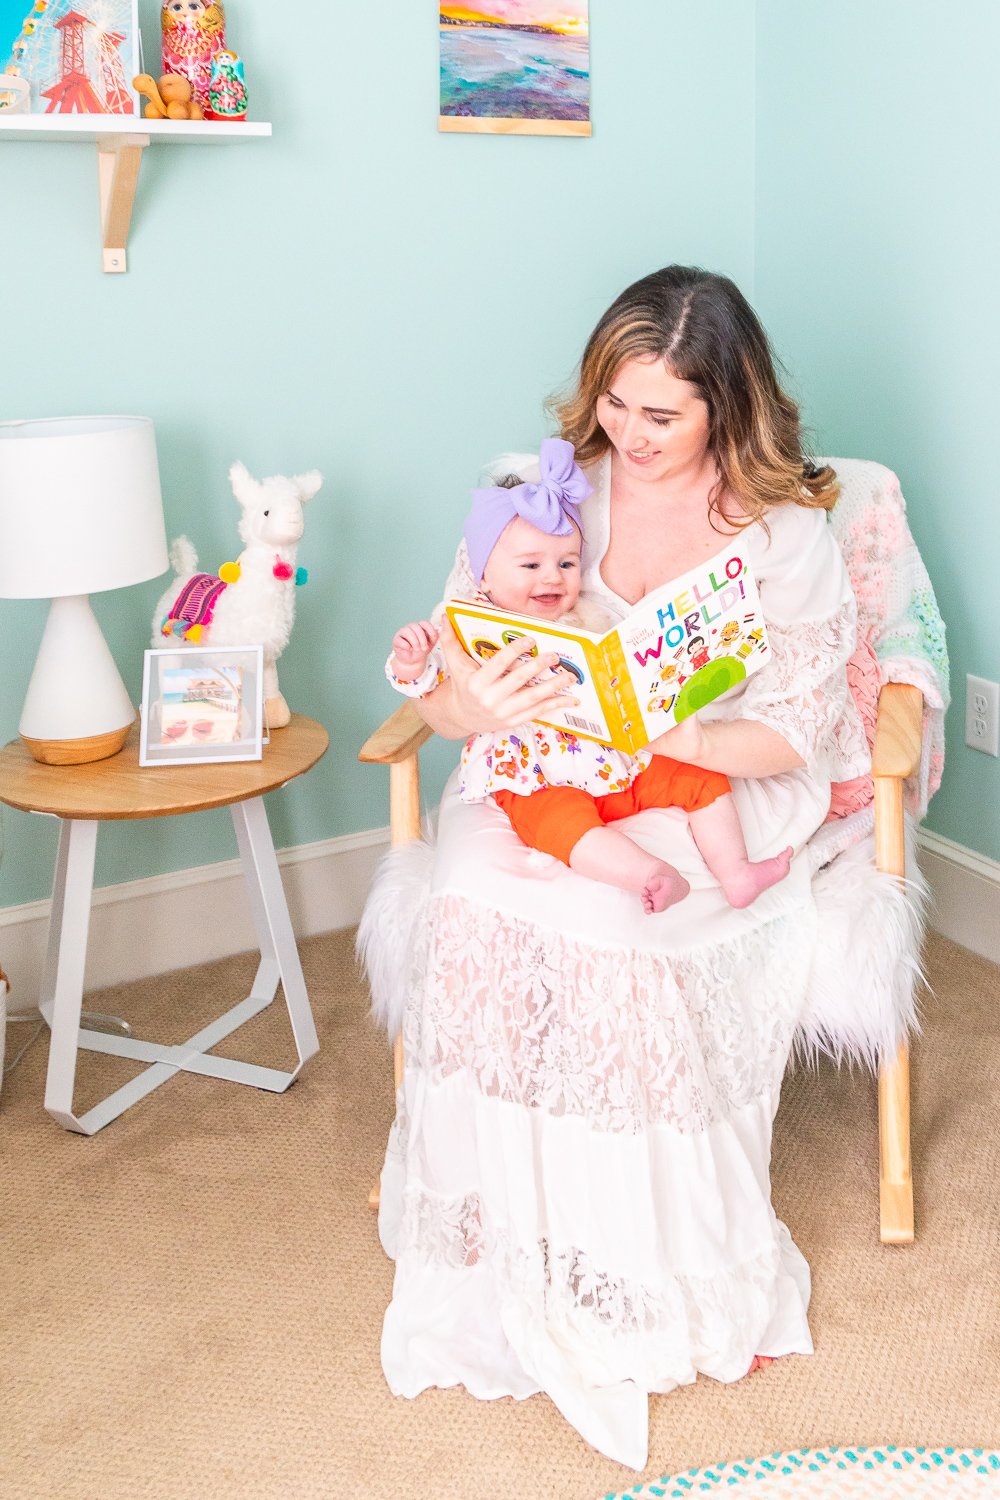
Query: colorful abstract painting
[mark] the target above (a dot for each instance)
(516, 67)
(79, 56)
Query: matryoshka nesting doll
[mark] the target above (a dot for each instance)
(193, 32)
(227, 92)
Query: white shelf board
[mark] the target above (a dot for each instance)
(108, 127)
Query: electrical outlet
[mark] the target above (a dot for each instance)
(982, 715)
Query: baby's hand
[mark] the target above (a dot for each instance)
(411, 647)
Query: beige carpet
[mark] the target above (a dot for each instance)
(191, 1300)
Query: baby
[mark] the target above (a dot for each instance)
(559, 791)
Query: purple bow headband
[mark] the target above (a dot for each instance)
(551, 505)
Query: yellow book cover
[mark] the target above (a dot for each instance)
(682, 646)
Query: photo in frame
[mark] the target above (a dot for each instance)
(515, 67)
(201, 706)
(77, 56)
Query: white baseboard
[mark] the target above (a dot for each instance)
(965, 893)
(147, 927)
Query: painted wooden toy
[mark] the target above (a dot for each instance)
(227, 92)
(170, 99)
(193, 32)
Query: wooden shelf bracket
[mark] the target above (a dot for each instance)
(119, 158)
(121, 140)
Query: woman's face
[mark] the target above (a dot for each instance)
(658, 425)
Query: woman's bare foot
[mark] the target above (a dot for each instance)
(749, 880)
(664, 887)
(761, 1362)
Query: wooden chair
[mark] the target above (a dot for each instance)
(896, 756)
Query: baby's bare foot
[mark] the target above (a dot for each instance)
(746, 884)
(664, 887)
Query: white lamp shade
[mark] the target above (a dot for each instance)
(80, 506)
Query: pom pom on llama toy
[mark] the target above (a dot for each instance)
(252, 599)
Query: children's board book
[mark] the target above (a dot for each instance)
(682, 646)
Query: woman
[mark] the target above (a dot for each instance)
(577, 1187)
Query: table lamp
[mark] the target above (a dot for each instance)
(80, 513)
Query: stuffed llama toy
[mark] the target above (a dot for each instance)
(252, 599)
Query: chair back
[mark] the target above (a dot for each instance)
(901, 635)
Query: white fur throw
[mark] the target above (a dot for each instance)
(866, 967)
(862, 999)
(385, 934)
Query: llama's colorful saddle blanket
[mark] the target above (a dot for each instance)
(194, 607)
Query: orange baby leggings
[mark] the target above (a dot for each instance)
(555, 818)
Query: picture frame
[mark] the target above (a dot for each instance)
(202, 706)
(515, 67)
(76, 59)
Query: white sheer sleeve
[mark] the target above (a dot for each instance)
(811, 619)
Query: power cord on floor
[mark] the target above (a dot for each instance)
(28, 1016)
(94, 1021)
(14, 1020)
(9, 1067)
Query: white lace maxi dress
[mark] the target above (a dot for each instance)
(576, 1191)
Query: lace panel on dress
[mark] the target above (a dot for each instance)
(803, 694)
(624, 1040)
(608, 1318)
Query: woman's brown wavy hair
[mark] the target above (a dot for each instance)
(705, 331)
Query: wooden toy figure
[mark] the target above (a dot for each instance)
(227, 92)
(193, 32)
(171, 99)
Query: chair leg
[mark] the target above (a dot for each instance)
(404, 827)
(895, 1165)
(374, 1197)
(895, 1171)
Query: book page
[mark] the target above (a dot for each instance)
(483, 631)
(691, 641)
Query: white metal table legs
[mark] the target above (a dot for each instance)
(62, 985)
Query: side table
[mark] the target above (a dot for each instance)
(117, 789)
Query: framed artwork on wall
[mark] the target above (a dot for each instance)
(515, 67)
(78, 56)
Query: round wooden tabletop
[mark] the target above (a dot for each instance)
(120, 788)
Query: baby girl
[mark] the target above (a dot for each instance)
(561, 792)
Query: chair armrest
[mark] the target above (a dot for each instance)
(397, 739)
(898, 733)
(898, 730)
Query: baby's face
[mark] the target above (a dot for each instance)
(532, 573)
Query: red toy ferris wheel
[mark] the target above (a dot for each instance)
(74, 93)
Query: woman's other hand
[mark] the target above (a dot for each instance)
(504, 691)
(411, 646)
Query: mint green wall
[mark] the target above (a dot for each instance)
(362, 295)
(878, 222)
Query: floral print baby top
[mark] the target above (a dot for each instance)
(530, 757)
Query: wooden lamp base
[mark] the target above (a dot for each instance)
(77, 752)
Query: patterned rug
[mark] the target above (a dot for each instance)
(836, 1474)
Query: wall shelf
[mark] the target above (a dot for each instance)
(120, 141)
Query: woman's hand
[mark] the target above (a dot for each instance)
(500, 693)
